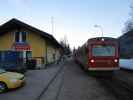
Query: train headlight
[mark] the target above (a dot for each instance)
(102, 39)
(92, 61)
(115, 60)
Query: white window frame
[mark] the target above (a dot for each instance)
(20, 36)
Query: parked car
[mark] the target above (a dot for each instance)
(10, 80)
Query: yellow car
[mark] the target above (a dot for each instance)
(10, 80)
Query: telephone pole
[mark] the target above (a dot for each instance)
(52, 25)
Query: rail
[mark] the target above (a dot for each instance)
(119, 88)
(50, 82)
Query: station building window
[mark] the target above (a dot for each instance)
(20, 37)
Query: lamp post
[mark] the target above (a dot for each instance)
(98, 26)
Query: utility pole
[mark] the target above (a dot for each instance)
(52, 25)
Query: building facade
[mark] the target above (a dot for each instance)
(31, 42)
(126, 44)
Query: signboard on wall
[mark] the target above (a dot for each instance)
(22, 47)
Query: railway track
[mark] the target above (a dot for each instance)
(50, 82)
(119, 88)
(126, 71)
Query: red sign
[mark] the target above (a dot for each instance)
(22, 47)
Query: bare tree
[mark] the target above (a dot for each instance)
(129, 22)
(65, 45)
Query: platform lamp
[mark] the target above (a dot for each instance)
(98, 26)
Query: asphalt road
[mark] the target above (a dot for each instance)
(71, 83)
(75, 84)
(36, 81)
(78, 85)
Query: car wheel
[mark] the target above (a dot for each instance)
(3, 87)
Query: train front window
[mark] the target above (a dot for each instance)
(103, 50)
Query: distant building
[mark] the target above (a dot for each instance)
(126, 44)
(32, 42)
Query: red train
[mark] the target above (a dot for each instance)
(99, 54)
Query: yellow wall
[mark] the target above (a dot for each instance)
(39, 45)
(6, 41)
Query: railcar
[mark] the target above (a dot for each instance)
(99, 54)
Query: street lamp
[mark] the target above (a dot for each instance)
(98, 26)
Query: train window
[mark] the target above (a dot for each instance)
(103, 50)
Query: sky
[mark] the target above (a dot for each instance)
(73, 20)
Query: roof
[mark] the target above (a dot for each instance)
(105, 38)
(17, 24)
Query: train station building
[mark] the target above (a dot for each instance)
(33, 43)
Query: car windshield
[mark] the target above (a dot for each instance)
(2, 71)
(103, 50)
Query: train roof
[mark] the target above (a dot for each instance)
(100, 39)
(103, 39)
